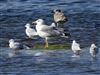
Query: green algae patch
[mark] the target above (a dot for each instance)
(52, 47)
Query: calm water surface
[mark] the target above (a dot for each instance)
(83, 24)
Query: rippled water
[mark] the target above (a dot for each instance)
(47, 63)
(83, 24)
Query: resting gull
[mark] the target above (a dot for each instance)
(30, 32)
(59, 17)
(75, 48)
(16, 45)
(93, 50)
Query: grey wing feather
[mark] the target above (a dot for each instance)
(18, 45)
(32, 31)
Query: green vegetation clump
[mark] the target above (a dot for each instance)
(52, 47)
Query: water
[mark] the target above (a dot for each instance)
(83, 24)
(43, 62)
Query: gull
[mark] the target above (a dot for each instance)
(59, 17)
(75, 48)
(46, 31)
(30, 32)
(16, 45)
(93, 50)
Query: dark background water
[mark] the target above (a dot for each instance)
(83, 24)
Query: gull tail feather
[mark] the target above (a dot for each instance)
(26, 47)
(65, 35)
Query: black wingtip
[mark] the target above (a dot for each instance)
(67, 34)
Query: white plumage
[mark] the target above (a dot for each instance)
(17, 45)
(14, 45)
(75, 48)
(93, 50)
(46, 31)
(30, 32)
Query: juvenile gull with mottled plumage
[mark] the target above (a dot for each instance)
(59, 17)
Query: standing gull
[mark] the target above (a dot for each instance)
(46, 31)
(93, 50)
(30, 32)
(75, 48)
(59, 17)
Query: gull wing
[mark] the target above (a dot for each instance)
(46, 28)
(60, 17)
(75, 47)
(31, 31)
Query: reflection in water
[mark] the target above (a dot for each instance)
(11, 54)
(75, 58)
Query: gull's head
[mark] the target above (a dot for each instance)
(27, 25)
(11, 40)
(39, 21)
(93, 45)
(57, 10)
(74, 41)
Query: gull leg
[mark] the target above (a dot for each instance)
(57, 24)
(60, 25)
(46, 43)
